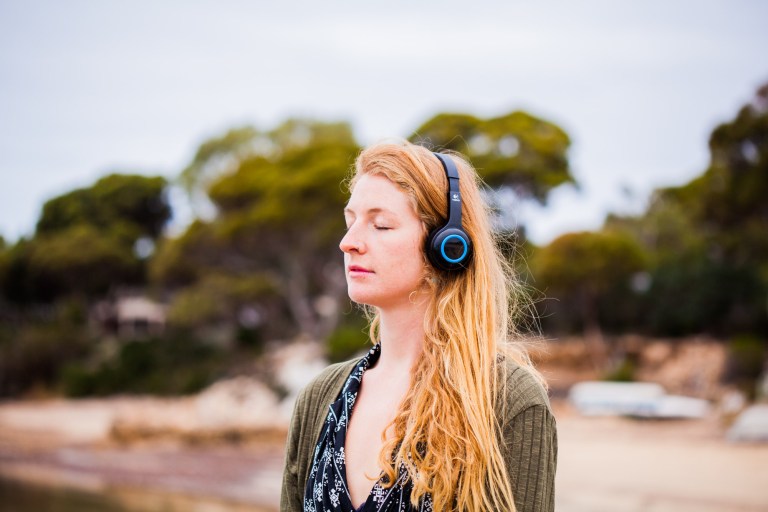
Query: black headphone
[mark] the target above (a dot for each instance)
(448, 246)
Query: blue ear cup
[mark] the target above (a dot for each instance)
(449, 247)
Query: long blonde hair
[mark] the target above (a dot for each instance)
(446, 433)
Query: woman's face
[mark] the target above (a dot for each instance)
(383, 256)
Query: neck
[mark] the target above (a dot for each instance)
(402, 334)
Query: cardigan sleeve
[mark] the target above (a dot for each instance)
(307, 420)
(531, 439)
(530, 443)
(291, 497)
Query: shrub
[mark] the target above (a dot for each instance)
(157, 366)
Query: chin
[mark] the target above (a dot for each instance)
(362, 298)
(363, 295)
(377, 300)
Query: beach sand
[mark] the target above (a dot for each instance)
(605, 464)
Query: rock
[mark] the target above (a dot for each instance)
(296, 364)
(139, 418)
(732, 402)
(751, 425)
(693, 367)
(241, 406)
(239, 403)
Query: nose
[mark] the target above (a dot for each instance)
(351, 242)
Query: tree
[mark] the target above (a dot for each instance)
(85, 241)
(277, 199)
(80, 260)
(217, 156)
(278, 218)
(588, 272)
(516, 150)
(708, 238)
(128, 206)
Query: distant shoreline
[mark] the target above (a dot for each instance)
(605, 463)
(72, 444)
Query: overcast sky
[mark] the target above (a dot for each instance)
(90, 87)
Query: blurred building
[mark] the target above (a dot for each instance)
(132, 316)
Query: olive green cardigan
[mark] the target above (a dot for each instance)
(529, 434)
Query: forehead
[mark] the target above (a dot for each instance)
(376, 192)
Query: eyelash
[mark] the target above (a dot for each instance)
(379, 228)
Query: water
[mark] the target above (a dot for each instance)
(16, 496)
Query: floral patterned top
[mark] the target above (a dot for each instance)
(327, 483)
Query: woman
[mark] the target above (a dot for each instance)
(443, 413)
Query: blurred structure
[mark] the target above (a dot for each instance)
(130, 317)
(637, 399)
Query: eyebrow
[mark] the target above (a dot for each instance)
(369, 211)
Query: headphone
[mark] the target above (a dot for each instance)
(449, 247)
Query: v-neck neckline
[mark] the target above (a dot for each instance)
(369, 362)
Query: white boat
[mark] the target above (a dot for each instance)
(638, 399)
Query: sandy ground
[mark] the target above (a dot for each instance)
(605, 464)
(626, 465)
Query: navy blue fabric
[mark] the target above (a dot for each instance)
(327, 489)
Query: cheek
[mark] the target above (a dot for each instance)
(410, 265)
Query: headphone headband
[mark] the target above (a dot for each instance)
(454, 195)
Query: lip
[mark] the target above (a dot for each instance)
(358, 269)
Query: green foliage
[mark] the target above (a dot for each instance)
(746, 361)
(266, 265)
(279, 202)
(219, 298)
(707, 239)
(727, 204)
(84, 244)
(690, 296)
(174, 365)
(278, 198)
(349, 339)
(516, 150)
(135, 206)
(666, 230)
(5, 272)
(79, 259)
(276, 193)
(183, 260)
(733, 189)
(218, 155)
(250, 338)
(592, 262)
(15, 281)
(589, 275)
(623, 372)
(32, 354)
